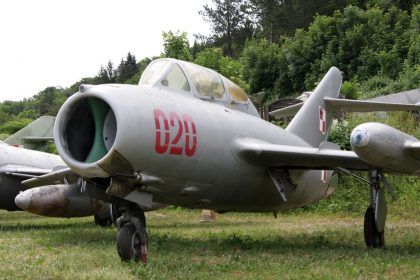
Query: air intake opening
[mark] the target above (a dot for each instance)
(91, 130)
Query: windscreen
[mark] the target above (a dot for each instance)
(154, 71)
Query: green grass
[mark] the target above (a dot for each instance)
(236, 246)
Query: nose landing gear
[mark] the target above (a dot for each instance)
(132, 236)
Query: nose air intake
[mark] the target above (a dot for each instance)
(90, 131)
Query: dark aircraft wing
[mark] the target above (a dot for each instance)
(23, 171)
(327, 156)
(49, 178)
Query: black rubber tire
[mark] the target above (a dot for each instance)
(130, 243)
(102, 222)
(373, 238)
(124, 242)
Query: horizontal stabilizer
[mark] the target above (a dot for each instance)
(327, 156)
(348, 105)
(34, 139)
(288, 111)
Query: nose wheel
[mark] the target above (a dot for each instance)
(132, 236)
(132, 244)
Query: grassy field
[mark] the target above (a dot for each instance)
(236, 246)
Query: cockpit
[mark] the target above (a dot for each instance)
(197, 81)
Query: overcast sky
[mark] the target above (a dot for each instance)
(56, 43)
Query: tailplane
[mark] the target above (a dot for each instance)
(312, 122)
(34, 136)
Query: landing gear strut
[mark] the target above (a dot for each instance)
(375, 216)
(132, 235)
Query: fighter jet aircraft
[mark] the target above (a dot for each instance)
(188, 136)
(18, 163)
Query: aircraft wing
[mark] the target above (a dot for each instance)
(327, 156)
(347, 105)
(49, 178)
(367, 106)
(288, 111)
(23, 171)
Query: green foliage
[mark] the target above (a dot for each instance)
(210, 58)
(340, 134)
(4, 136)
(12, 126)
(176, 45)
(232, 69)
(376, 46)
(350, 89)
(213, 58)
(14, 115)
(278, 18)
(261, 60)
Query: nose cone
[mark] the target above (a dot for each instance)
(23, 200)
(359, 138)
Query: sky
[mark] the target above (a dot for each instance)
(57, 42)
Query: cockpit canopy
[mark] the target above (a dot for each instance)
(197, 81)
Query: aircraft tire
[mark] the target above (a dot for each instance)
(373, 238)
(131, 244)
(102, 222)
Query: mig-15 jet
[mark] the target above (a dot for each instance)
(188, 136)
(21, 159)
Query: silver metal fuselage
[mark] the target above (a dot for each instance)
(14, 164)
(213, 177)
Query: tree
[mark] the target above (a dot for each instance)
(176, 45)
(232, 23)
(261, 62)
(127, 68)
(283, 17)
(210, 58)
(213, 58)
(106, 75)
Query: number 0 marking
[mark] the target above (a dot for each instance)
(185, 128)
(190, 150)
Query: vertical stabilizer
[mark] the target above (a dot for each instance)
(34, 136)
(312, 122)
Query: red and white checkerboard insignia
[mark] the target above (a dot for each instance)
(322, 120)
(324, 176)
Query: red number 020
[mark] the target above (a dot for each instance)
(184, 126)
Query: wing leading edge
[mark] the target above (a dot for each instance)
(327, 156)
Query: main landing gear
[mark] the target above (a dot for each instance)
(375, 216)
(132, 235)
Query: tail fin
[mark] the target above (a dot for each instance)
(312, 122)
(34, 136)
